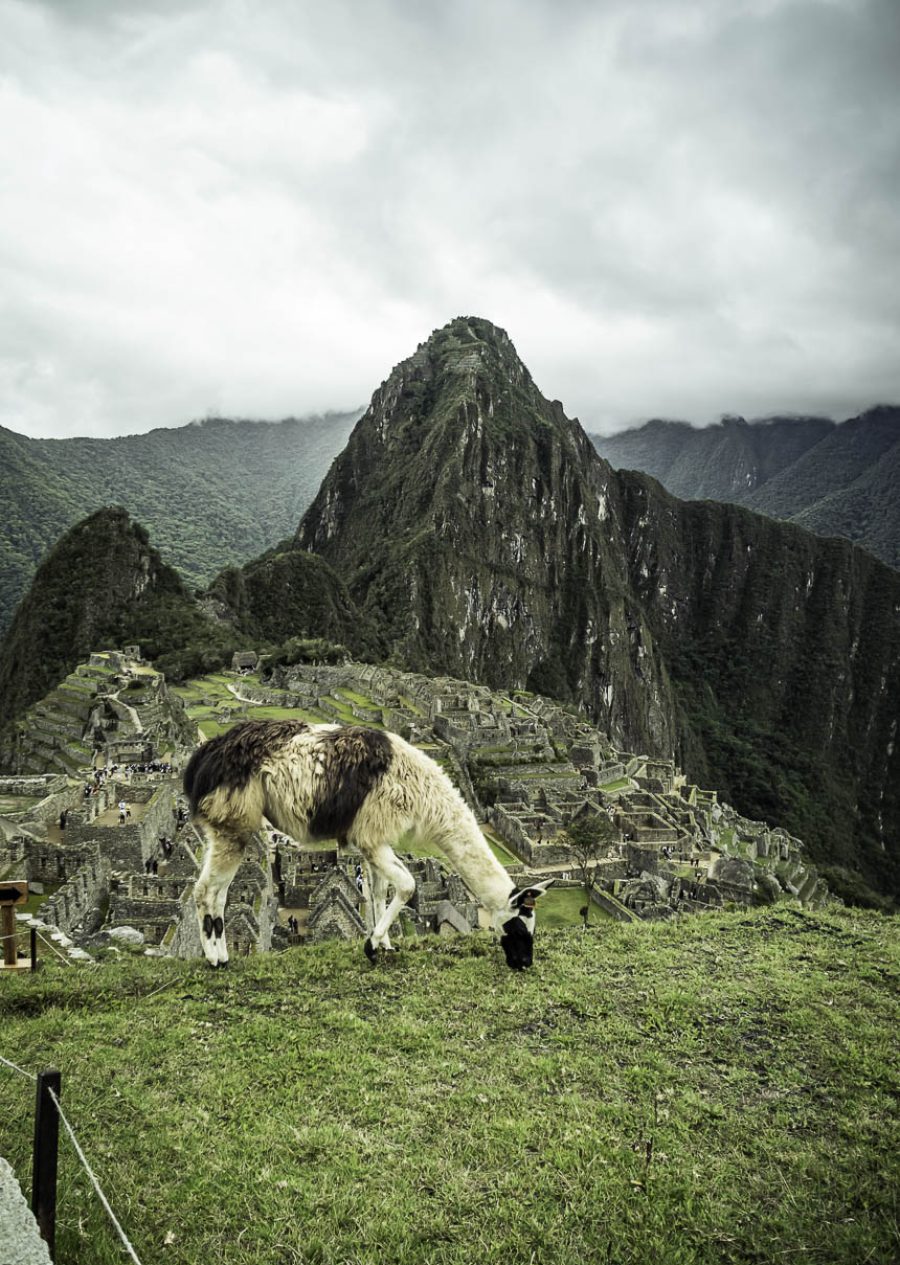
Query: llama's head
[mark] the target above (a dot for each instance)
(517, 925)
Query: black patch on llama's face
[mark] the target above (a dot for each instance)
(355, 760)
(231, 759)
(517, 943)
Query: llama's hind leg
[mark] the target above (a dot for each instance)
(224, 852)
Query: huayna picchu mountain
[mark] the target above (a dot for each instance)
(477, 527)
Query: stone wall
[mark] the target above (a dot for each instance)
(38, 785)
(47, 862)
(146, 901)
(79, 899)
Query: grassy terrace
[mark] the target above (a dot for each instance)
(718, 1089)
(207, 697)
(18, 803)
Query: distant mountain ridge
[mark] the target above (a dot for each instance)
(835, 479)
(212, 494)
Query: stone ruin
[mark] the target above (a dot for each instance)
(526, 766)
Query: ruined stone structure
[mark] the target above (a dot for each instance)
(526, 765)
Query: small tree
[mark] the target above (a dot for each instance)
(587, 837)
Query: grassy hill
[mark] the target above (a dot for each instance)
(718, 1089)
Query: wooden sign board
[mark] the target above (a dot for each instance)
(13, 891)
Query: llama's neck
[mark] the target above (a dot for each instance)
(458, 835)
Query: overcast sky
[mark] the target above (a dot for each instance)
(255, 208)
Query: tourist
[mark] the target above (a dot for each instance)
(123, 810)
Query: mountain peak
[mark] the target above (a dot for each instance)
(466, 352)
(448, 421)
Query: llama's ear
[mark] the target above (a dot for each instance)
(528, 895)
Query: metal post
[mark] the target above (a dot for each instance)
(46, 1139)
(34, 963)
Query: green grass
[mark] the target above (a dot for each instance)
(18, 803)
(205, 698)
(361, 700)
(499, 849)
(561, 907)
(312, 717)
(719, 1089)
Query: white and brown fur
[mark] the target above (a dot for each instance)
(363, 787)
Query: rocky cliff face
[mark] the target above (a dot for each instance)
(477, 527)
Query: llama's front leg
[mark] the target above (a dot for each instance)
(368, 895)
(224, 853)
(377, 905)
(389, 870)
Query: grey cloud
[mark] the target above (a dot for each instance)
(673, 207)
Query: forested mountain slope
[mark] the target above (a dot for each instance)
(212, 494)
(835, 480)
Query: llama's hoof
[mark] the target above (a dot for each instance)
(369, 949)
(223, 966)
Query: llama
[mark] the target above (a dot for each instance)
(360, 786)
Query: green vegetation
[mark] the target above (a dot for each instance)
(17, 803)
(618, 784)
(562, 907)
(289, 593)
(103, 585)
(213, 708)
(587, 837)
(718, 1090)
(837, 480)
(180, 483)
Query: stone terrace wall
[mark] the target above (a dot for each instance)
(39, 784)
(47, 862)
(80, 897)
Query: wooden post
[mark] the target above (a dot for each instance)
(8, 931)
(46, 1139)
(12, 892)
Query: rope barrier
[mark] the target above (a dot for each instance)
(52, 947)
(90, 1172)
(15, 1067)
